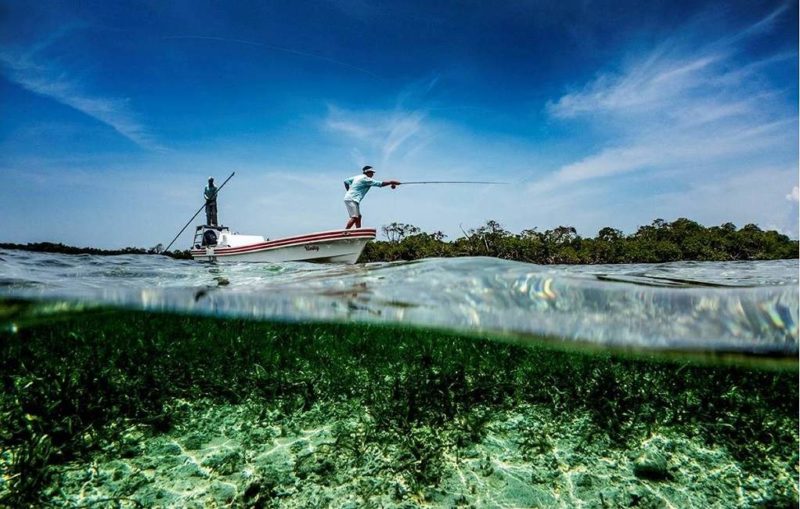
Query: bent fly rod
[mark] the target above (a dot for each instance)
(195, 214)
(452, 182)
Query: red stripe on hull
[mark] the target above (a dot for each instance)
(291, 241)
(262, 247)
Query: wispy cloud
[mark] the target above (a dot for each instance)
(35, 73)
(765, 24)
(382, 134)
(663, 150)
(651, 83)
(387, 134)
(679, 104)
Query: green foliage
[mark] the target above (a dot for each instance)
(50, 247)
(74, 386)
(396, 232)
(658, 242)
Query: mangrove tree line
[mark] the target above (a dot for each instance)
(660, 241)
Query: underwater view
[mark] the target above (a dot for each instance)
(142, 381)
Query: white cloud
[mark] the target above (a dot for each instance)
(794, 195)
(680, 104)
(655, 81)
(381, 134)
(723, 151)
(386, 135)
(34, 73)
(676, 76)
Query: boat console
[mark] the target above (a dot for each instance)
(206, 236)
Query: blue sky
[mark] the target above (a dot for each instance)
(113, 114)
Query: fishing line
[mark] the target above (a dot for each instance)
(453, 182)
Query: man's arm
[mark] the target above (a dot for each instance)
(393, 183)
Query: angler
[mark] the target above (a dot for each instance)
(357, 187)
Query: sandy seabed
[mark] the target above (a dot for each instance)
(233, 456)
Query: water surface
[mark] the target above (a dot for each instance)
(702, 306)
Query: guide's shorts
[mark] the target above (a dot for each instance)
(352, 208)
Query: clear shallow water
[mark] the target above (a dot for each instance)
(708, 306)
(146, 409)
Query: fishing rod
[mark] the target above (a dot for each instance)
(452, 182)
(195, 214)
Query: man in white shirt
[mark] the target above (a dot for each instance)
(357, 187)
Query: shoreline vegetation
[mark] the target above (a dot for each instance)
(135, 409)
(661, 241)
(658, 242)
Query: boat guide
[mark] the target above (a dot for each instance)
(218, 243)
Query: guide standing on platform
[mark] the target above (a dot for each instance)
(210, 194)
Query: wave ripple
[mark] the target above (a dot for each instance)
(701, 306)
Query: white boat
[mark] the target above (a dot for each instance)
(217, 243)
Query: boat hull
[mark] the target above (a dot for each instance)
(337, 246)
